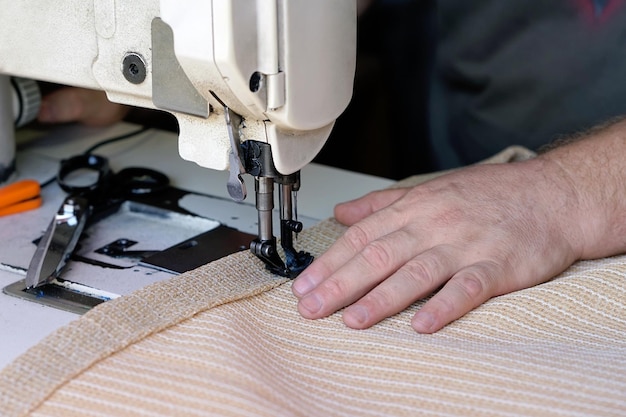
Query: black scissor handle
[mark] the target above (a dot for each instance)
(140, 181)
(91, 162)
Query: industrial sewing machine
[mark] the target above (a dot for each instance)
(255, 85)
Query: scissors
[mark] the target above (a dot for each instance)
(93, 189)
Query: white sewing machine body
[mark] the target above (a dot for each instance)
(256, 85)
(285, 66)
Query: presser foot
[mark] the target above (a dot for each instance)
(296, 261)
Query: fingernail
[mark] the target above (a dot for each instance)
(302, 285)
(311, 303)
(423, 321)
(358, 314)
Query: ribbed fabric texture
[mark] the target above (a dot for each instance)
(226, 340)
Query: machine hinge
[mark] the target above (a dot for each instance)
(275, 90)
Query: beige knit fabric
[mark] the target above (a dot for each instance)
(226, 340)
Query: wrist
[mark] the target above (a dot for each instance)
(589, 177)
(562, 202)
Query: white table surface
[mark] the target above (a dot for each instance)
(24, 323)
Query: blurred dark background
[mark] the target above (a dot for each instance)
(384, 130)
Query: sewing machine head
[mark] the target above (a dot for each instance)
(255, 85)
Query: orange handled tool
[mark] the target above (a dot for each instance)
(20, 196)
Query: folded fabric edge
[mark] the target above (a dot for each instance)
(114, 325)
(510, 154)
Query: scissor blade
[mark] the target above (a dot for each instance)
(58, 242)
(33, 275)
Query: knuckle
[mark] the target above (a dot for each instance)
(471, 284)
(377, 255)
(356, 237)
(420, 273)
(430, 271)
(398, 211)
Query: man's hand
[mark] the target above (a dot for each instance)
(476, 233)
(90, 107)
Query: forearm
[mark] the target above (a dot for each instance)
(593, 170)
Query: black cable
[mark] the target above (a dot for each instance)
(100, 144)
(116, 139)
(48, 182)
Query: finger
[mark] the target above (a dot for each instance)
(378, 260)
(351, 212)
(466, 290)
(357, 237)
(60, 106)
(90, 107)
(379, 223)
(415, 280)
